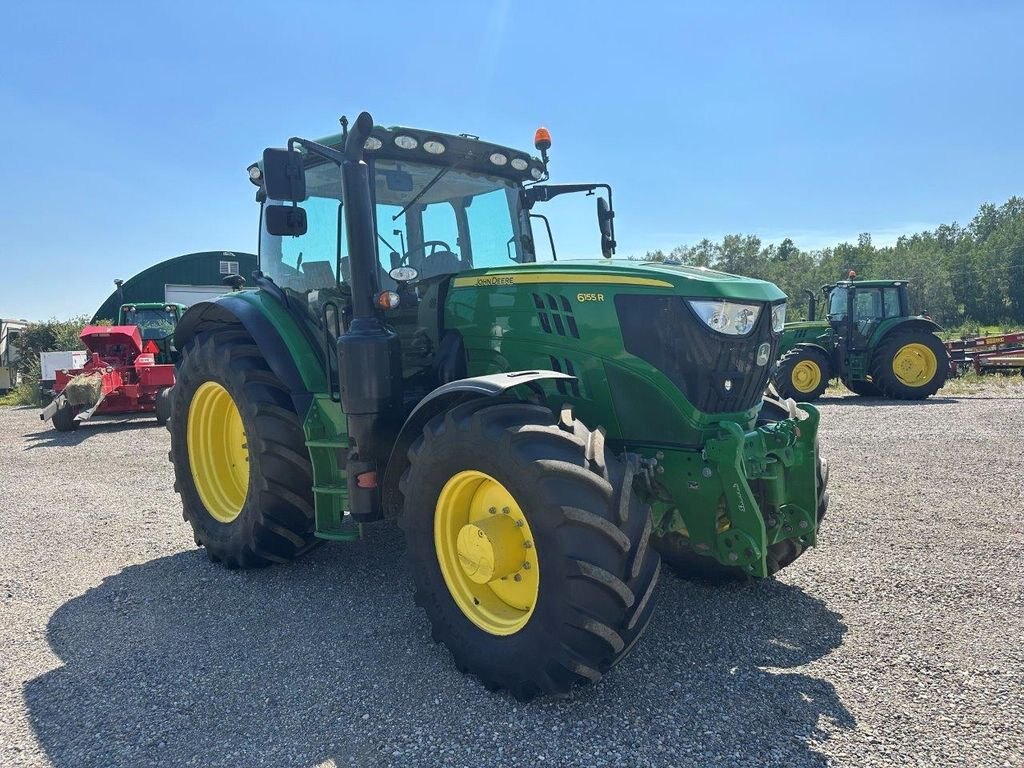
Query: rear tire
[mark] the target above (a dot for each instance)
(910, 365)
(63, 419)
(274, 521)
(679, 555)
(803, 374)
(595, 572)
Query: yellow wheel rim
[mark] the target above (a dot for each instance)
(915, 364)
(486, 552)
(806, 376)
(217, 452)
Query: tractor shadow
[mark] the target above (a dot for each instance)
(180, 662)
(49, 437)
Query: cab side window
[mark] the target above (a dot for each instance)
(892, 302)
(867, 305)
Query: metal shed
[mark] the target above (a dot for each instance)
(184, 279)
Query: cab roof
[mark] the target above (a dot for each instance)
(869, 283)
(469, 152)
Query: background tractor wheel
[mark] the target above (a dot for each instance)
(863, 388)
(239, 454)
(162, 406)
(676, 550)
(802, 374)
(910, 365)
(63, 419)
(528, 548)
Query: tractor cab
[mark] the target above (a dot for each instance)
(855, 309)
(441, 204)
(156, 323)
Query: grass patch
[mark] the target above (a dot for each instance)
(970, 330)
(26, 393)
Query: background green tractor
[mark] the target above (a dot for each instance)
(156, 322)
(538, 431)
(868, 339)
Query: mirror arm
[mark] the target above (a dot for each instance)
(541, 193)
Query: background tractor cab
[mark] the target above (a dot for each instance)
(156, 322)
(868, 338)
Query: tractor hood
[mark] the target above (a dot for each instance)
(101, 338)
(692, 282)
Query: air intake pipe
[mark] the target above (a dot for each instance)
(369, 352)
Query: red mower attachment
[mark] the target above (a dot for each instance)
(119, 377)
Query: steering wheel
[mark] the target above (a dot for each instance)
(434, 245)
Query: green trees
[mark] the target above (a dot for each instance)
(958, 275)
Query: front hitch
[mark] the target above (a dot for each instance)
(745, 491)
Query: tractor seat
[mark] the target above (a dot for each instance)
(440, 263)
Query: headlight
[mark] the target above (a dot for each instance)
(727, 316)
(778, 317)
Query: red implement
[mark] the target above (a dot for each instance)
(118, 377)
(985, 354)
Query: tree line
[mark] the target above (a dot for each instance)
(961, 276)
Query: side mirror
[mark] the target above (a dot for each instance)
(284, 177)
(403, 274)
(285, 220)
(604, 223)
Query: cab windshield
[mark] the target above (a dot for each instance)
(463, 220)
(154, 323)
(837, 307)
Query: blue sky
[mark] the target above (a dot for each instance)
(127, 127)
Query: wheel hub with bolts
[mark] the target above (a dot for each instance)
(486, 553)
(491, 548)
(914, 364)
(806, 376)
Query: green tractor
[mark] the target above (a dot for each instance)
(868, 339)
(539, 432)
(156, 322)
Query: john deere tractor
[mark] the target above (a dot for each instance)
(868, 339)
(539, 431)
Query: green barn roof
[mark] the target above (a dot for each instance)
(203, 268)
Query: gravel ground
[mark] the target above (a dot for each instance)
(900, 641)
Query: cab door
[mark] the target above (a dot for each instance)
(866, 312)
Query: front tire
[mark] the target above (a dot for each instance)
(63, 419)
(803, 374)
(239, 454)
(528, 548)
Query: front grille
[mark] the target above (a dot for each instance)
(665, 332)
(555, 315)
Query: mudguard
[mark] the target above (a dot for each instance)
(441, 399)
(230, 310)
